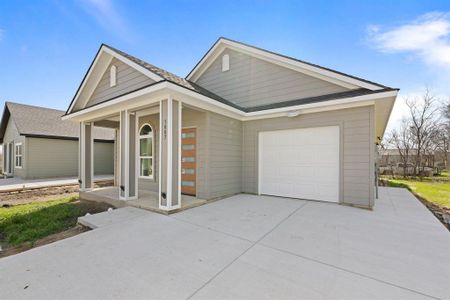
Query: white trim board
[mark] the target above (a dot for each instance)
(98, 68)
(192, 98)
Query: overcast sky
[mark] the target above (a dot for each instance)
(47, 46)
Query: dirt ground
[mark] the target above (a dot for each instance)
(8, 199)
(47, 240)
(42, 194)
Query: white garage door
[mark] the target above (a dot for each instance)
(300, 163)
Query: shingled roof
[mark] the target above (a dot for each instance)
(35, 121)
(168, 76)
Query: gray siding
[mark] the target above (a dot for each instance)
(56, 158)
(128, 79)
(357, 179)
(103, 158)
(12, 136)
(224, 156)
(252, 81)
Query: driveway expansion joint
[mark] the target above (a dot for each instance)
(248, 249)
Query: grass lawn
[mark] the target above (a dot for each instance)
(434, 192)
(28, 223)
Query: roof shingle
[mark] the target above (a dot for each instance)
(45, 122)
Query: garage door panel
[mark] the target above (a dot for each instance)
(300, 163)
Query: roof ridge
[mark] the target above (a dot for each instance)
(33, 106)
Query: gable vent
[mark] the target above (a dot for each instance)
(225, 63)
(113, 76)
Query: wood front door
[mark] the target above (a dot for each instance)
(189, 161)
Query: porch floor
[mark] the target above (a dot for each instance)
(147, 200)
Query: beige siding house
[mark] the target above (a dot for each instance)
(244, 120)
(38, 144)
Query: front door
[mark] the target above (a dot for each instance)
(188, 161)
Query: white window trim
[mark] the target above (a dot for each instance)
(113, 76)
(15, 155)
(152, 136)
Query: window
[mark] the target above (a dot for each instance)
(146, 151)
(113, 76)
(18, 151)
(225, 63)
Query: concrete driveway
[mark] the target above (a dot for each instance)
(245, 247)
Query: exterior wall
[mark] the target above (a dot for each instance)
(12, 135)
(128, 79)
(357, 150)
(145, 183)
(57, 158)
(252, 81)
(103, 158)
(224, 156)
(190, 118)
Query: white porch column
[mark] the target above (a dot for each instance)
(86, 143)
(128, 179)
(170, 154)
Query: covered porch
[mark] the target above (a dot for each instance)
(157, 164)
(147, 200)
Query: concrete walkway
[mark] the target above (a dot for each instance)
(14, 183)
(245, 247)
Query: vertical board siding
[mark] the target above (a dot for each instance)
(197, 119)
(57, 158)
(128, 79)
(357, 138)
(224, 156)
(252, 81)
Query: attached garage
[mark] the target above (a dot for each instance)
(300, 163)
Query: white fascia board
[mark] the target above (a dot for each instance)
(327, 75)
(189, 97)
(79, 114)
(132, 64)
(105, 50)
(320, 106)
(88, 77)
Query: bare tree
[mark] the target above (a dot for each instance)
(422, 115)
(402, 140)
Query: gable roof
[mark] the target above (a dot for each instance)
(226, 42)
(160, 75)
(35, 121)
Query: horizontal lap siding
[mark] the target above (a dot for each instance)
(224, 156)
(357, 178)
(58, 158)
(52, 158)
(252, 81)
(103, 158)
(128, 79)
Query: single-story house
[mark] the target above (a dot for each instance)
(244, 120)
(38, 144)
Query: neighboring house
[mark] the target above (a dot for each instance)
(38, 144)
(245, 120)
(392, 157)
